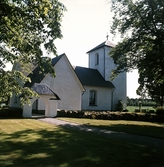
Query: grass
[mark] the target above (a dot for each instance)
(134, 127)
(132, 108)
(27, 142)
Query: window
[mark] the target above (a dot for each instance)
(92, 98)
(96, 59)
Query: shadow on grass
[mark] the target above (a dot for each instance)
(143, 130)
(60, 147)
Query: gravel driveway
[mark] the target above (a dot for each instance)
(143, 140)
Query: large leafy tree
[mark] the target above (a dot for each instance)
(26, 28)
(141, 27)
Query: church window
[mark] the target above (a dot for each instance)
(92, 98)
(96, 59)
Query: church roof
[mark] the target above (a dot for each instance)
(43, 89)
(91, 77)
(56, 59)
(106, 43)
(36, 76)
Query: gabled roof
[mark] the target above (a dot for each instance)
(91, 77)
(43, 89)
(106, 43)
(56, 59)
(36, 76)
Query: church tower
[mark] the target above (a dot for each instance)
(100, 59)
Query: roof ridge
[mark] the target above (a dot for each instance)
(57, 58)
(44, 89)
(105, 43)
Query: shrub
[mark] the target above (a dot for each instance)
(109, 115)
(119, 106)
(11, 113)
(160, 110)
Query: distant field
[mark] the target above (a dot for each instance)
(132, 108)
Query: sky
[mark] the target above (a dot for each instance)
(85, 25)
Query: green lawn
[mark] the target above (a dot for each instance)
(133, 127)
(27, 142)
(132, 108)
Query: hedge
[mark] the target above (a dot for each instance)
(109, 115)
(11, 113)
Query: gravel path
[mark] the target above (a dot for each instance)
(143, 140)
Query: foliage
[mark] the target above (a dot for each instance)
(145, 102)
(141, 26)
(144, 109)
(26, 27)
(6, 112)
(119, 106)
(108, 115)
(160, 110)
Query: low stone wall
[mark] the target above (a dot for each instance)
(109, 115)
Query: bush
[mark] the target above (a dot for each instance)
(109, 115)
(160, 110)
(11, 113)
(74, 114)
(119, 106)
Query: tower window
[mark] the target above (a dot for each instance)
(92, 98)
(96, 59)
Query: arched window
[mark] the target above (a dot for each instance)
(92, 97)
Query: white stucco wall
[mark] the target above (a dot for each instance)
(103, 98)
(120, 90)
(105, 67)
(14, 101)
(50, 106)
(40, 104)
(66, 85)
(100, 66)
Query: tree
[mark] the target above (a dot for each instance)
(141, 26)
(26, 27)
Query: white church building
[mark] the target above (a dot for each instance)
(76, 88)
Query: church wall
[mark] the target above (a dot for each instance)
(119, 82)
(103, 98)
(105, 67)
(92, 60)
(65, 85)
(14, 101)
(109, 64)
(120, 89)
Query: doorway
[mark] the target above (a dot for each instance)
(38, 107)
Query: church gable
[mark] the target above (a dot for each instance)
(37, 77)
(65, 69)
(66, 85)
